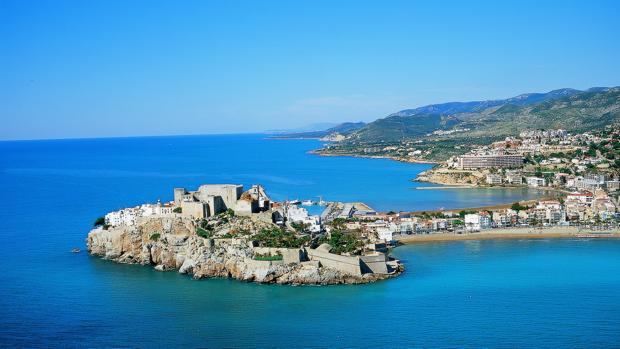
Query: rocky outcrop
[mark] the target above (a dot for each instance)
(445, 176)
(172, 244)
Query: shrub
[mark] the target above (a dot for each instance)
(99, 222)
(228, 235)
(518, 207)
(339, 223)
(268, 257)
(300, 227)
(177, 210)
(341, 242)
(155, 236)
(277, 237)
(203, 233)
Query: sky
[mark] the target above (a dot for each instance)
(79, 69)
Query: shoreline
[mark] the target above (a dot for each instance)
(393, 158)
(442, 186)
(499, 206)
(511, 233)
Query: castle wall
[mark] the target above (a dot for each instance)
(178, 196)
(375, 263)
(229, 193)
(289, 255)
(347, 264)
(194, 209)
(244, 208)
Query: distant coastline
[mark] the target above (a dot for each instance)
(394, 158)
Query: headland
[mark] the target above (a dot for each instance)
(224, 231)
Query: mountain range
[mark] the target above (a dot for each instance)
(566, 108)
(345, 128)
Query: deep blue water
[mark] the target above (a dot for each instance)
(549, 293)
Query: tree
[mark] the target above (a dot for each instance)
(341, 242)
(300, 227)
(339, 223)
(277, 237)
(203, 233)
(99, 222)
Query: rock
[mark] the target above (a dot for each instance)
(179, 248)
(187, 267)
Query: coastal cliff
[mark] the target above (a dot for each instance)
(171, 243)
(451, 177)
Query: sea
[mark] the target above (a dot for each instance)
(555, 293)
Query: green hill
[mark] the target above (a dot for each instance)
(484, 122)
(576, 111)
(579, 112)
(344, 129)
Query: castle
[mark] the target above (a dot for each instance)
(211, 199)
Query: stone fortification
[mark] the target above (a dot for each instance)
(171, 243)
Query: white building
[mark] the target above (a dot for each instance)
(494, 179)
(129, 216)
(535, 181)
(585, 198)
(296, 214)
(477, 221)
(553, 211)
(126, 216)
(158, 209)
(384, 233)
(514, 177)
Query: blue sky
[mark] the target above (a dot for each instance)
(128, 68)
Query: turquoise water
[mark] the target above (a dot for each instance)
(550, 293)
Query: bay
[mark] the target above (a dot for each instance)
(553, 293)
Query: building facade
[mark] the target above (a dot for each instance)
(472, 162)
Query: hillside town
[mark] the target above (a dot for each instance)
(246, 228)
(582, 168)
(539, 158)
(225, 230)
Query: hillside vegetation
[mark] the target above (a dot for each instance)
(344, 129)
(481, 122)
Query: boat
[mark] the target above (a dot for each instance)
(307, 202)
(293, 202)
(75, 250)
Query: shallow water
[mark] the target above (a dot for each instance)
(553, 293)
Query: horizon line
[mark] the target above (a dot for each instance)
(137, 136)
(271, 131)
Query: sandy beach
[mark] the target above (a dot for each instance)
(511, 233)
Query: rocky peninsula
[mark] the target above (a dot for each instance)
(243, 245)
